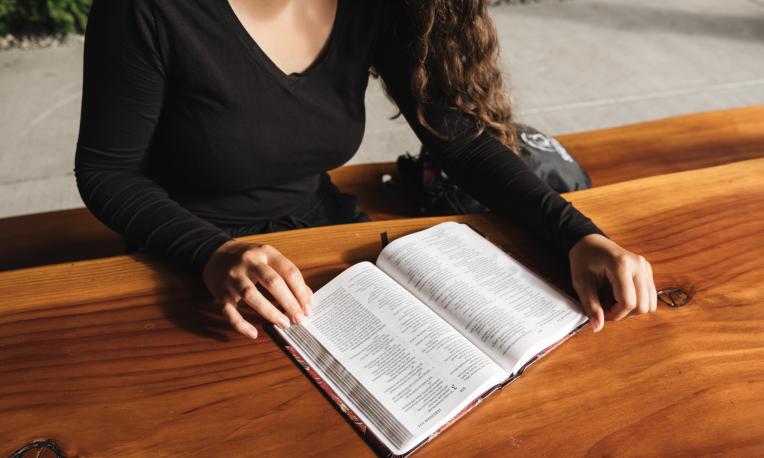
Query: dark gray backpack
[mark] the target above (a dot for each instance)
(423, 181)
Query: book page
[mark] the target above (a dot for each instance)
(501, 306)
(395, 362)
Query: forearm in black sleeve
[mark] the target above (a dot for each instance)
(123, 93)
(502, 181)
(484, 167)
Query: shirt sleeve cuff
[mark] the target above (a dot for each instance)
(575, 234)
(205, 251)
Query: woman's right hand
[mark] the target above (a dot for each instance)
(232, 273)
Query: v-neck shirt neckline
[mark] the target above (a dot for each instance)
(262, 58)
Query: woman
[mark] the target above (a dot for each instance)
(205, 120)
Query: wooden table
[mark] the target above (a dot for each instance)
(123, 356)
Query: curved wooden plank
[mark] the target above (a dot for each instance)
(669, 145)
(610, 156)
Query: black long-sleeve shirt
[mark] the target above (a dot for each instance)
(188, 126)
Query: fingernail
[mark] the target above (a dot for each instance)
(595, 324)
(308, 308)
(298, 317)
(252, 333)
(284, 322)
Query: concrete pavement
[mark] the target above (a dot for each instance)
(572, 66)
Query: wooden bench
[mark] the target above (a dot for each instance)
(609, 155)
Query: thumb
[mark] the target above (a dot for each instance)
(590, 301)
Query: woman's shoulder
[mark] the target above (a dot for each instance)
(377, 11)
(124, 5)
(159, 9)
(386, 18)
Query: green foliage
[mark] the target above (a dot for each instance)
(43, 16)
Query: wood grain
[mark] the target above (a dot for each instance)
(124, 356)
(609, 155)
(669, 145)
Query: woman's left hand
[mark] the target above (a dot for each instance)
(595, 259)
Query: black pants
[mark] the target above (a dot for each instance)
(326, 207)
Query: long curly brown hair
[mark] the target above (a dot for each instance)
(456, 49)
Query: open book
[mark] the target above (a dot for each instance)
(445, 317)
